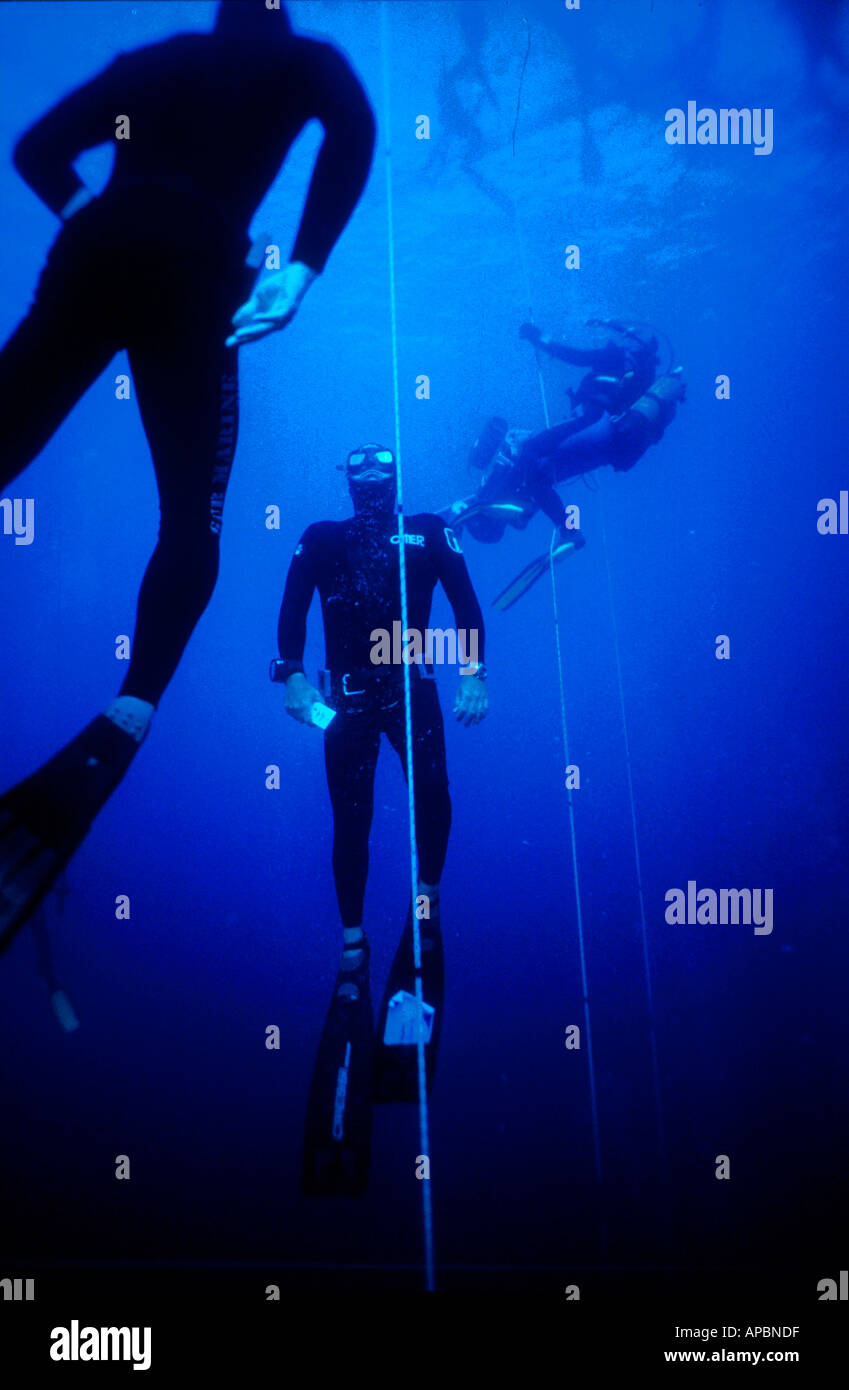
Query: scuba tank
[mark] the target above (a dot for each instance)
(644, 423)
(657, 405)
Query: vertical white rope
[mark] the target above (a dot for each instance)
(424, 1125)
(655, 1063)
(658, 1095)
(520, 238)
(576, 882)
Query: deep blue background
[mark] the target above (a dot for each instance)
(739, 767)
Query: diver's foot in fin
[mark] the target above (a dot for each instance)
(400, 1019)
(565, 543)
(456, 514)
(28, 868)
(511, 512)
(337, 1133)
(470, 507)
(353, 976)
(45, 818)
(498, 511)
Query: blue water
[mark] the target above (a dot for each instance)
(547, 129)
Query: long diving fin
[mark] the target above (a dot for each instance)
(45, 818)
(337, 1133)
(527, 577)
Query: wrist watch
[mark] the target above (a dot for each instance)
(280, 671)
(476, 668)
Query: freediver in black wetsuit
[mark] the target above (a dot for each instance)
(354, 565)
(620, 409)
(201, 124)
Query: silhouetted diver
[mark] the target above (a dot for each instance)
(201, 124)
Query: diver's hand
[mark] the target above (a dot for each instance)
(472, 701)
(457, 510)
(300, 697)
(274, 302)
(530, 332)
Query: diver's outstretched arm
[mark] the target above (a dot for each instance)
(578, 357)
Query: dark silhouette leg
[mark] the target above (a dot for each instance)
(51, 359)
(351, 746)
(187, 387)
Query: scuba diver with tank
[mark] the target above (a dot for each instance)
(620, 408)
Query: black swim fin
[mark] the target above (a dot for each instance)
(63, 1009)
(571, 542)
(396, 1064)
(45, 818)
(337, 1133)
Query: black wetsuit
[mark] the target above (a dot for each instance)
(156, 265)
(618, 375)
(354, 566)
(529, 484)
(617, 378)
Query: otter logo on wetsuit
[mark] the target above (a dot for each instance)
(408, 540)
